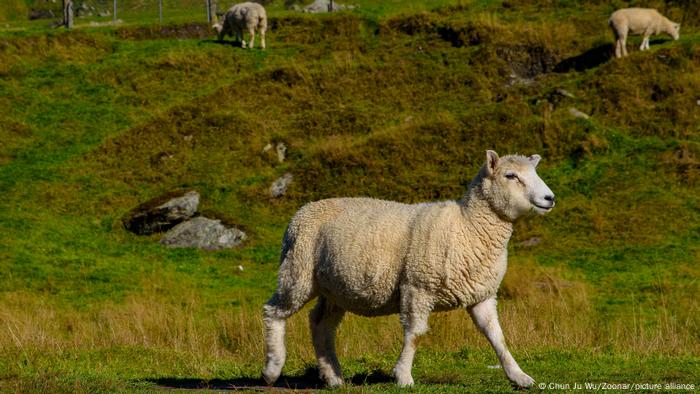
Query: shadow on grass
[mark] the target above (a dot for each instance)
(309, 380)
(233, 44)
(587, 60)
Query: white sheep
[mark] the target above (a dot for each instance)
(639, 21)
(374, 257)
(248, 16)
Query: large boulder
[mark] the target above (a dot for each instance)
(203, 233)
(162, 213)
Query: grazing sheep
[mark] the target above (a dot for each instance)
(248, 16)
(374, 257)
(644, 21)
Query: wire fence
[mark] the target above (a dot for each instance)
(71, 13)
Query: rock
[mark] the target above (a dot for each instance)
(161, 213)
(281, 151)
(531, 242)
(319, 6)
(267, 147)
(564, 93)
(279, 187)
(697, 102)
(578, 114)
(41, 14)
(203, 233)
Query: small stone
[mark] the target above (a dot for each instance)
(267, 147)
(531, 242)
(578, 114)
(697, 102)
(240, 268)
(279, 186)
(564, 93)
(281, 151)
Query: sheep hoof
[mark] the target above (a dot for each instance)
(522, 379)
(404, 381)
(270, 377)
(334, 381)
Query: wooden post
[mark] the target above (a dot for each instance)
(160, 11)
(209, 11)
(68, 14)
(330, 6)
(114, 14)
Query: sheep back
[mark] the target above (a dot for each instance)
(638, 21)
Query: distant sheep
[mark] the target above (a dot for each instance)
(248, 16)
(639, 21)
(374, 257)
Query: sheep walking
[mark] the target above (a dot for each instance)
(639, 21)
(248, 16)
(374, 257)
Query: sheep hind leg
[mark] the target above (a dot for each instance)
(485, 317)
(415, 323)
(324, 320)
(284, 303)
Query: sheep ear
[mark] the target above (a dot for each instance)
(534, 160)
(491, 161)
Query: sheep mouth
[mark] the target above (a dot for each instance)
(541, 208)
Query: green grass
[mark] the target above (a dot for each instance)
(391, 101)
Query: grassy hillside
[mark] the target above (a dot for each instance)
(389, 101)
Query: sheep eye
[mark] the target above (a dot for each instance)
(510, 175)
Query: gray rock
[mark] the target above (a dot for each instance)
(203, 233)
(319, 6)
(281, 151)
(578, 114)
(161, 213)
(279, 187)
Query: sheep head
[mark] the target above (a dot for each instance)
(675, 30)
(512, 187)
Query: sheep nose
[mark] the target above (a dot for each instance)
(549, 198)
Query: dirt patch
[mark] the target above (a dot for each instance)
(189, 30)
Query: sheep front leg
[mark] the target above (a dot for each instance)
(239, 36)
(645, 43)
(251, 32)
(485, 317)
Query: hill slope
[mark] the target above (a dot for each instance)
(399, 107)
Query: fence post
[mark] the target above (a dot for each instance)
(160, 11)
(114, 14)
(68, 14)
(330, 6)
(209, 11)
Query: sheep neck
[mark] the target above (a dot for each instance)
(494, 230)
